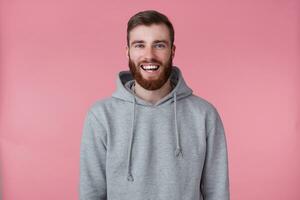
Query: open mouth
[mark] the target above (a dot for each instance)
(150, 67)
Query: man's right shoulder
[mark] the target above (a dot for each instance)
(100, 105)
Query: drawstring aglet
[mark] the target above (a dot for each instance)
(130, 178)
(178, 152)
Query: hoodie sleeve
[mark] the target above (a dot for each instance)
(215, 179)
(92, 184)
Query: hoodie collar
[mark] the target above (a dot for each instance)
(125, 81)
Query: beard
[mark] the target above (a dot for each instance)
(151, 84)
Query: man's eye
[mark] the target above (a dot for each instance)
(160, 46)
(139, 46)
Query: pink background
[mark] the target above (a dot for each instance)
(58, 57)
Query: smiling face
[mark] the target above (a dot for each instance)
(150, 55)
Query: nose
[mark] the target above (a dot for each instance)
(149, 53)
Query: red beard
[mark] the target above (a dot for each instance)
(151, 84)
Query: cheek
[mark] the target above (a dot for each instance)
(165, 57)
(135, 56)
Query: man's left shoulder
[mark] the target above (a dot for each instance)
(202, 103)
(205, 108)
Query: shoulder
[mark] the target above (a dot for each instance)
(203, 104)
(100, 104)
(100, 108)
(211, 114)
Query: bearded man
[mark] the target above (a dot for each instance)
(153, 139)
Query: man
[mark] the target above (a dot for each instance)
(153, 139)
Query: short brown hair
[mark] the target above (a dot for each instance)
(149, 17)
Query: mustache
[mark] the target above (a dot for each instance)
(150, 61)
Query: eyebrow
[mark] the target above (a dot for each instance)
(155, 41)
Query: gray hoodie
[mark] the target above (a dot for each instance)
(174, 149)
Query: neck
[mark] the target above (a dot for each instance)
(152, 96)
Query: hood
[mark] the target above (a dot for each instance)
(125, 81)
(125, 92)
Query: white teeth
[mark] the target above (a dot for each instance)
(150, 67)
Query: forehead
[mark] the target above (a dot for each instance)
(150, 33)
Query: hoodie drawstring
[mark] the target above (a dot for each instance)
(178, 151)
(129, 174)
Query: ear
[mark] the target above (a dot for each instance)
(173, 51)
(127, 52)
